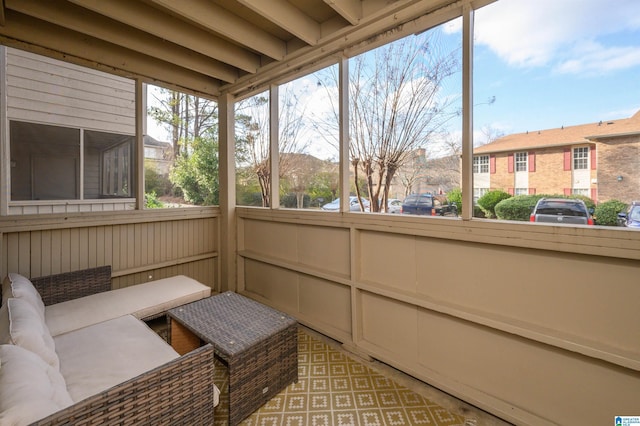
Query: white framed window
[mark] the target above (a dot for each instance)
(580, 191)
(581, 158)
(477, 193)
(481, 164)
(521, 191)
(63, 163)
(521, 162)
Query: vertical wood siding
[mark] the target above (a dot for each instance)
(138, 252)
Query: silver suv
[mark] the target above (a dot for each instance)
(561, 211)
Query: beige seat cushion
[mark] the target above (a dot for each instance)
(141, 301)
(18, 286)
(21, 325)
(96, 358)
(30, 389)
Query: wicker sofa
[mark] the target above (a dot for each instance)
(74, 351)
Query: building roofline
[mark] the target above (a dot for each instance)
(534, 147)
(612, 135)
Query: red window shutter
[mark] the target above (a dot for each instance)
(592, 151)
(511, 191)
(532, 161)
(567, 159)
(567, 191)
(532, 191)
(492, 164)
(594, 195)
(510, 169)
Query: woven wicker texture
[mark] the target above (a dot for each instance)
(72, 285)
(234, 322)
(177, 393)
(259, 345)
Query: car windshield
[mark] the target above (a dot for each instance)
(634, 214)
(561, 209)
(426, 200)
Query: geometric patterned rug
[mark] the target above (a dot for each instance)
(335, 389)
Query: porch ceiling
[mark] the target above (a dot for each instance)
(204, 46)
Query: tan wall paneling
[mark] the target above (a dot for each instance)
(537, 324)
(326, 304)
(391, 326)
(581, 303)
(271, 239)
(138, 251)
(324, 248)
(566, 295)
(390, 260)
(277, 285)
(300, 244)
(549, 385)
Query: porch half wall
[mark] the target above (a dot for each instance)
(534, 324)
(140, 246)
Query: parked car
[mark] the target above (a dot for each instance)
(561, 211)
(354, 206)
(429, 205)
(630, 218)
(394, 205)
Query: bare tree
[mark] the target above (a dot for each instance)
(396, 106)
(253, 129)
(489, 134)
(413, 170)
(183, 116)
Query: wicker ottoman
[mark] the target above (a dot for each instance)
(259, 344)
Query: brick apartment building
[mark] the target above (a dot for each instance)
(600, 160)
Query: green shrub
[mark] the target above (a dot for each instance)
(607, 213)
(489, 201)
(516, 208)
(455, 197)
(478, 212)
(151, 201)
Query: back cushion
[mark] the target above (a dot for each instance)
(30, 389)
(17, 286)
(21, 325)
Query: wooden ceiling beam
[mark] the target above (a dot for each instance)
(153, 21)
(287, 17)
(87, 22)
(219, 20)
(351, 10)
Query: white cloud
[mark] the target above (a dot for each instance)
(566, 34)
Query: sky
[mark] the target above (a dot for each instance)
(555, 63)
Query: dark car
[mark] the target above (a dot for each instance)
(428, 205)
(561, 211)
(630, 218)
